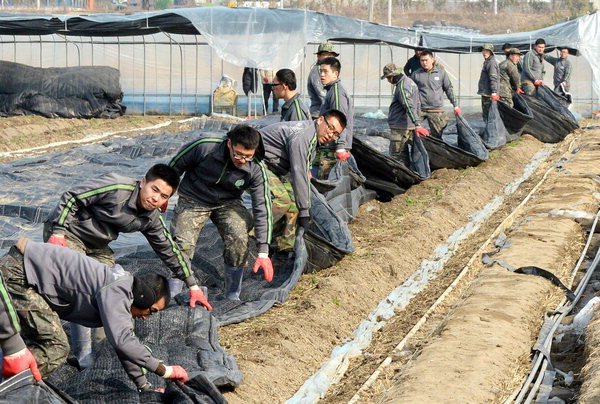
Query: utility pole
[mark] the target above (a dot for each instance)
(371, 5)
(495, 7)
(389, 12)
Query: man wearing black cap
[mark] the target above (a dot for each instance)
(315, 88)
(489, 80)
(43, 284)
(533, 68)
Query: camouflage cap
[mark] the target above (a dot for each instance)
(514, 51)
(488, 46)
(390, 70)
(327, 47)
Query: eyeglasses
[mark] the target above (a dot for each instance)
(331, 128)
(276, 84)
(241, 157)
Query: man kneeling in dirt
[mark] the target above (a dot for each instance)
(43, 284)
(216, 172)
(290, 148)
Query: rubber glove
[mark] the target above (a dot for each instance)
(57, 240)
(421, 131)
(538, 83)
(196, 296)
(264, 261)
(495, 97)
(519, 91)
(164, 207)
(457, 111)
(342, 155)
(19, 361)
(176, 372)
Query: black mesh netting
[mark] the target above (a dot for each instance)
(515, 118)
(178, 335)
(65, 92)
(494, 136)
(551, 122)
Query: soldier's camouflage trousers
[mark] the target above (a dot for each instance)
(528, 87)
(324, 161)
(437, 122)
(232, 219)
(486, 104)
(41, 328)
(508, 101)
(105, 255)
(399, 141)
(285, 212)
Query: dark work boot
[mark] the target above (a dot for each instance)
(234, 282)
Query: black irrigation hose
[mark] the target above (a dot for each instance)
(539, 359)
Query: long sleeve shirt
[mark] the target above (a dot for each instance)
(405, 108)
(510, 79)
(533, 66)
(489, 79)
(338, 98)
(96, 211)
(84, 291)
(210, 178)
(316, 91)
(290, 147)
(562, 70)
(432, 85)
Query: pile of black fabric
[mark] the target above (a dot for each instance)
(66, 92)
(552, 121)
(515, 118)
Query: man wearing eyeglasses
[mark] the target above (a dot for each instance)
(284, 86)
(216, 172)
(42, 284)
(290, 148)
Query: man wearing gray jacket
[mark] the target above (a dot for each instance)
(46, 284)
(91, 215)
(533, 68)
(489, 80)
(403, 116)
(290, 148)
(316, 92)
(562, 70)
(432, 81)
(216, 172)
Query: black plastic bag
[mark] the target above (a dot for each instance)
(494, 135)
(419, 158)
(470, 141)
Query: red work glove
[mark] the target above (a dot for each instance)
(161, 391)
(19, 361)
(264, 261)
(538, 83)
(342, 155)
(176, 372)
(495, 97)
(164, 207)
(519, 91)
(457, 111)
(421, 131)
(196, 296)
(57, 240)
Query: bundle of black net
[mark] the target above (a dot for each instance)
(65, 92)
(552, 121)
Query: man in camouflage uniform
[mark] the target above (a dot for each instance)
(290, 147)
(91, 215)
(489, 80)
(432, 81)
(42, 284)
(510, 79)
(316, 92)
(533, 68)
(217, 171)
(404, 112)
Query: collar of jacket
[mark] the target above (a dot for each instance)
(328, 86)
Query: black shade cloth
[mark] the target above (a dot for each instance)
(515, 118)
(23, 389)
(494, 135)
(469, 140)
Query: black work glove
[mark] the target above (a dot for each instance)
(304, 222)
